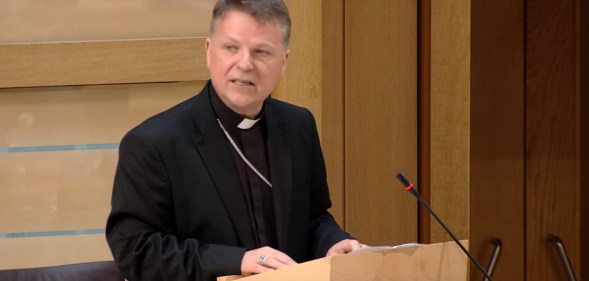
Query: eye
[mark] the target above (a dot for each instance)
(262, 53)
(229, 48)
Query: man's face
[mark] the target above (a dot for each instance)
(245, 59)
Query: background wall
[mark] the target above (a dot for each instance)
(25, 21)
(529, 124)
(380, 119)
(450, 117)
(76, 75)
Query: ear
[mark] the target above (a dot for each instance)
(285, 61)
(208, 49)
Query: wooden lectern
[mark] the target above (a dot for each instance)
(439, 262)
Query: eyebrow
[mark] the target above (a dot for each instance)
(256, 46)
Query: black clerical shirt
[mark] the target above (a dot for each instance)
(252, 142)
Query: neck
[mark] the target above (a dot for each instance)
(249, 116)
(250, 113)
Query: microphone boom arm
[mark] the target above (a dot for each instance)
(409, 187)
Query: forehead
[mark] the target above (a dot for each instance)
(238, 23)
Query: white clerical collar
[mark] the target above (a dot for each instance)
(247, 123)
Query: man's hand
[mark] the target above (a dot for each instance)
(264, 259)
(344, 247)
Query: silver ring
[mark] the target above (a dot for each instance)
(262, 259)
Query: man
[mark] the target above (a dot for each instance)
(230, 181)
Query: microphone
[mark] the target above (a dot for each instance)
(409, 187)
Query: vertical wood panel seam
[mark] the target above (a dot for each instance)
(525, 139)
(423, 115)
(583, 28)
(579, 128)
(343, 93)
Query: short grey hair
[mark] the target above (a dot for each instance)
(261, 10)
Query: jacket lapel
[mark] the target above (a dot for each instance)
(212, 147)
(280, 171)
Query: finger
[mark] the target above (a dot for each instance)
(275, 258)
(343, 247)
(283, 258)
(274, 263)
(278, 255)
(257, 266)
(352, 246)
(253, 261)
(262, 268)
(334, 252)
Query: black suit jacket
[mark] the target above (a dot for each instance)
(178, 209)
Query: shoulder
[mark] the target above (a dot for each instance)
(290, 113)
(166, 125)
(297, 123)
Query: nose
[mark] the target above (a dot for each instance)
(244, 62)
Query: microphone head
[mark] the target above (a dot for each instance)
(408, 186)
(402, 179)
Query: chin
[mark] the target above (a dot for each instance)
(240, 102)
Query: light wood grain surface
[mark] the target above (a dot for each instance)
(102, 62)
(380, 119)
(83, 114)
(62, 190)
(332, 105)
(450, 117)
(435, 262)
(26, 21)
(497, 201)
(554, 190)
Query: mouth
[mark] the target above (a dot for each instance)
(242, 82)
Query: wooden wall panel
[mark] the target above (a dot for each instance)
(301, 82)
(332, 105)
(83, 20)
(553, 126)
(82, 114)
(62, 190)
(108, 62)
(52, 182)
(380, 119)
(497, 176)
(450, 117)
